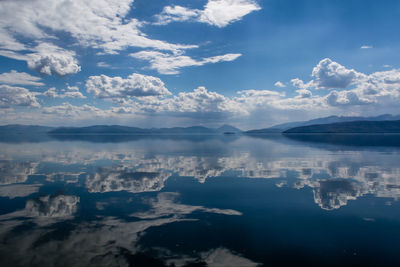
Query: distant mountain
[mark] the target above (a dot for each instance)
(24, 129)
(98, 129)
(117, 129)
(326, 120)
(228, 129)
(349, 127)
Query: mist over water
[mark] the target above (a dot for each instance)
(206, 200)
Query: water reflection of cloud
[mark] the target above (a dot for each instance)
(146, 165)
(107, 241)
(222, 257)
(118, 178)
(12, 172)
(217, 257)
(335, 193)
(166, 205)
(45, 210)
(18, 190)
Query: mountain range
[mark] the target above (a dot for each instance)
(112, 130)
(326, 120)
(355, 127)
(332, 124)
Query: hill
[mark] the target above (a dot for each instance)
(24, 129)
(325, 120)
(349, 127)
(120, 130)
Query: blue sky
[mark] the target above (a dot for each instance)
(196, 62)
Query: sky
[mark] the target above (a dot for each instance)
(166, 63)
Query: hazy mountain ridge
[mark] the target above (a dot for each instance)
(116, 129)
(333, 124)
(24, 129)
(349, 127)
(320, 121)
(111, 129)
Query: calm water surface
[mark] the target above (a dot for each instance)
(199, 201)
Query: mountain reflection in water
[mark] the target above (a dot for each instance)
(210, 201)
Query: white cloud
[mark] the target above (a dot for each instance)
(279, 84)
(74, 112)
(177, 13)
(200, 101)
(70, 92)
(223, 12)
(17, 96)
(29, 28)
(352, 88)
(331, 75)
(197, 104)
(218, 13)
(21, 78)
(171, 63)
(50, 59)
(102, 24)
(104, 65)
(296, 82)
(261, 94)
(137, 98)
(304, 93)
(366, 47)
(13, 55)
(335, 98)
(117, 88)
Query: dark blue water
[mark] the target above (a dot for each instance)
(200, 201)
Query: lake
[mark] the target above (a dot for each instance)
(223, 200)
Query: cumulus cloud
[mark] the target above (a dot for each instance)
(137, 98)
(250, 100)
(200, 101)
(17, 96)
(117, 88)
(54, 64)
(304, 93)
(331, 75)
(296, 82)
(70, 92)
(171, 63)
(219, 13)
(20, 78)
(50, 59)
(335, 98)
(197, 104)
(68, 110)
(177, 13)
(352, 88)
(280, 84)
